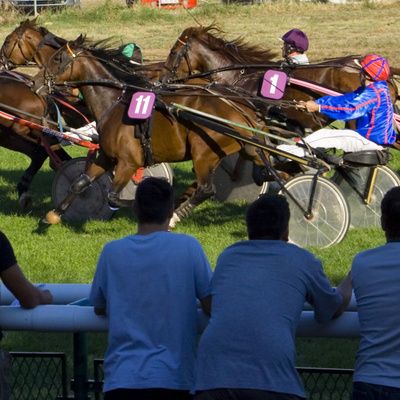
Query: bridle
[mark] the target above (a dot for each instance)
(67, 58)
(17, 45)
(183, 54)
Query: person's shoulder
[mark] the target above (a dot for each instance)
(302, 256)
(295, 249)
(112, 244)
(373, 252)
(181, 238)
(237, 246)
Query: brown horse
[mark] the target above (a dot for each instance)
(203, 49)
(15, 92)
(173, 138)
(29, 44)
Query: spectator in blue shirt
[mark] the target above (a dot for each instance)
(148, 285)
(376, 281)
(247, 352)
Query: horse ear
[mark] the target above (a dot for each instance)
(79, 40)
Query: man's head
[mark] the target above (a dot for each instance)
(375, 67)
(294, 40)
(154, 201)
(390, 218)
(268, 218)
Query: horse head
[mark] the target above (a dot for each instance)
(29, 43)
(203, 49)
(184, 57)
(58, 68)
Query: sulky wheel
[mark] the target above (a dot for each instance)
(363, 214)
(233, 180)
(330, 213)
(162, 170)
(92, 203)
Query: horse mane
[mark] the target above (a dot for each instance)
(237, 50)
(49, 38)
(113, 60)
(31, 24)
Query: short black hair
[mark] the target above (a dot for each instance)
(268, 217)
(154, 201)
(390, 209)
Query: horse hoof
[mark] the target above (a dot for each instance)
(52, 218)
(173, 221)
(25, 201)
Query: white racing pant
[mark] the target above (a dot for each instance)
(343, 139)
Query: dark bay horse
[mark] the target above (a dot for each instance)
(202, 49)
(15, 92)
(172, 138)
(26, 45)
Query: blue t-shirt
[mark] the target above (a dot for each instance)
(258, 291)
(149, 285)
(376, 283)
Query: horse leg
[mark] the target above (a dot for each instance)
(205, 190)
(79, 185)
(187, 194)
(35, 152)
(37, 160)
(123, 172)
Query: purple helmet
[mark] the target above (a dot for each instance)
(297, 39)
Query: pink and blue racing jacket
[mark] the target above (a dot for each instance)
(370, 106)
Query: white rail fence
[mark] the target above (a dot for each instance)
(65, 316)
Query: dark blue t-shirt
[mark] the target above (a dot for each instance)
(7, 256)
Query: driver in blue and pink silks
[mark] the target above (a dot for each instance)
(370, 105)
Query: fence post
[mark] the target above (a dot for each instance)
(80, 386)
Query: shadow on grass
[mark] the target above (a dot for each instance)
(208, 214)
(40, 192)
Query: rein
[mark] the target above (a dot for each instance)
(234, 67)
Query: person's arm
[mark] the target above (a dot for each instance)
(26, 293)
(345, 288)
(97, 292)
(311, 106)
